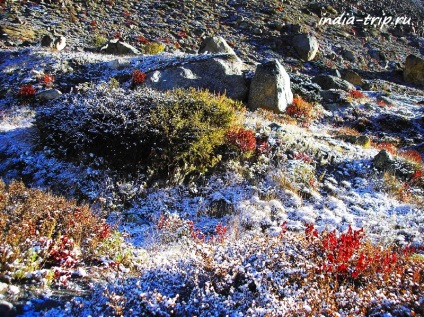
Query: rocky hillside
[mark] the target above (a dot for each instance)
(212, 158)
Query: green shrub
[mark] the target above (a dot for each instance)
(164, 135)
(98, 40)
(153, 48)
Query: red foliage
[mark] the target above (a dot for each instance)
(283, 230)
(388, 147)
(381, 103)
(26, 91)
(221, 233)
(138, 77)
(196, 234)
(182, 34)
(340, 250)
(47, 80)
(418, 175)
(356, 94)
(61, 253)
(311, 232)
(142, 39)
(300, 156)
(244, 139)
(412, 155)
(104, 231)
(263, 146)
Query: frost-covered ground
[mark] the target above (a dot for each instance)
(309, 177)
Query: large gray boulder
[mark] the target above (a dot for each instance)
(414, 70)
(270, 87)
(219, 74)
(118, 47)
(306, 46)
(327, 82)
(215, 45)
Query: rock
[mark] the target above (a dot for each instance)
(384, 161)
(215, 45)
(6, 309)
(306, 46)
(13, 290)
(331, 95)
(363, 140)
(353, 78)
(331, 82)
(349, 55)
(270, 87)
(221, 74)
(60, 43)
(49, 94)
(117, 47)
(414, 70)
(3, 287)
(334, 72)
(47, 41)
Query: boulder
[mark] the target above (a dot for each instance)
(6, 309)
(327, 82)
(47, 41)
(414, 70)
(118, 47)
(306, 46)
(60, 43)
(383, 161)
(49, 94)
(215, 45)
(353, 78)
(219, 74)
(332, 95)
(270, 87)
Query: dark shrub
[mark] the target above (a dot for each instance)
(161, 134)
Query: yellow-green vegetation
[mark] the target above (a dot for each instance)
(40, 230)
(153, 48)
(99, 40)
(189, 130)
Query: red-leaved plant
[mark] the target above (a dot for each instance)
(138, 77)
(243, 139)
(26, 92)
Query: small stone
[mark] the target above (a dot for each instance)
(331, 82)
(49, 94)
(60, 43)
(363, 140)
(414, 70)
(47, 41)
(349, 55)
(14, 290)
(215, 45)
(118, 47)
(353, 78)
(6, 308)
(3, 287)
